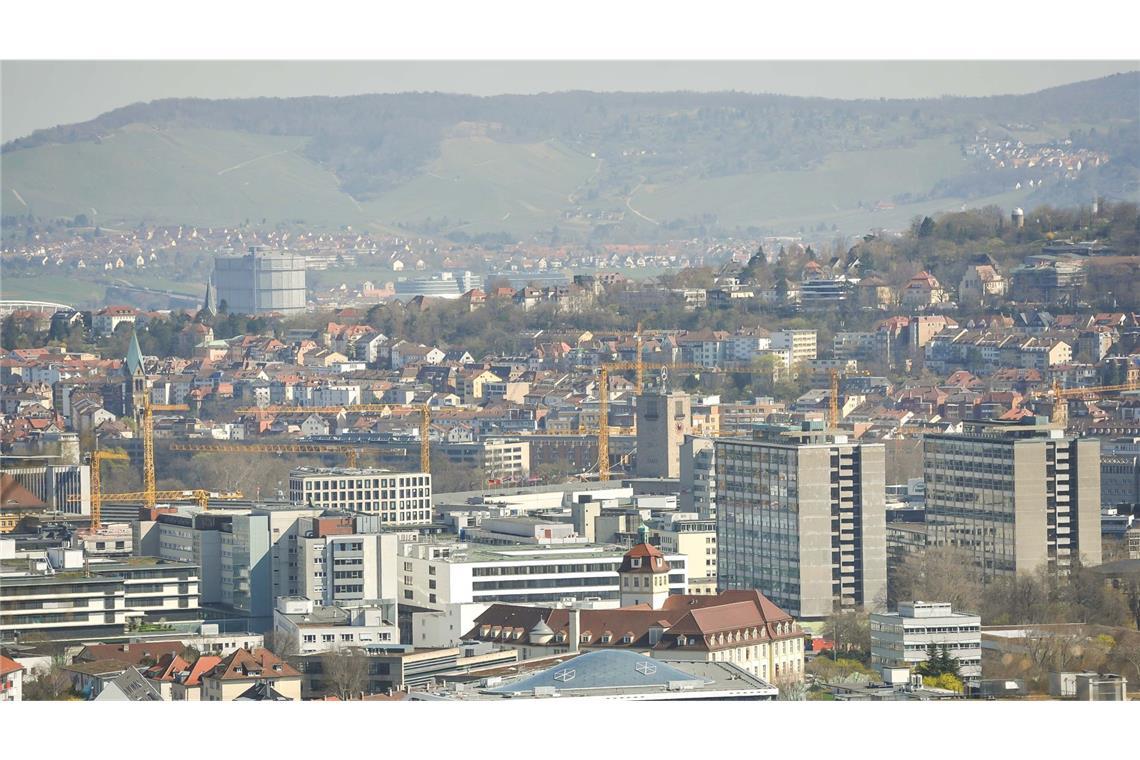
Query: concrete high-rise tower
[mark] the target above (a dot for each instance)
(663, 421)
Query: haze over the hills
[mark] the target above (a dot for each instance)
(579, 165)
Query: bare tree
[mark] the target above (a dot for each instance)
(50, 684)
(938, 574)
(1127, 652)
(345, 671)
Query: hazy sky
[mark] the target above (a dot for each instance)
(38, 94)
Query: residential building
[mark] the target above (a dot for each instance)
(902, 638)
(245, 668)
(801, 343)
(663, 421)
(399, 498)
(801, 516)
(11, 680)
(1016, 496)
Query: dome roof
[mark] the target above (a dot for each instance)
(542, 628)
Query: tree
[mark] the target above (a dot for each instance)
(944, 681)
(926, 228)
(50, 684)
(939, 573)
(345, 671)
(1127, 652)
(850, 630)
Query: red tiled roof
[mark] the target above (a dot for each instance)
(8, 665)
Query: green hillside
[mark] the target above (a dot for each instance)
(605, 165)
(195, 176)
(479, 185)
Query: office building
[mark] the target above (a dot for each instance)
(801, 516)
(434, 575)
(499, 459)
(696, 540)
(232, 552)
(698, 477)
(303, 626)
(1016, 496)
(399, 498)
(346, 568)
(260, 282)
(663, 421)
(902, 639)
(58, 597)
(62, 488)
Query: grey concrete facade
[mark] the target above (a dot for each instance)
(801, 516)
(1017, 497)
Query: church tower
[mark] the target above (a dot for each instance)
(209, 308)
(134, 382)
(643, 576)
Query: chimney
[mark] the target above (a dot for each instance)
(575, 633)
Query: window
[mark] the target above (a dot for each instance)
(310, 639)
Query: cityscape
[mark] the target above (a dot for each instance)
(647, 396)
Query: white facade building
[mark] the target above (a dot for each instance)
(901, 639)
(434, 575)
(309, 628)
(399, 498)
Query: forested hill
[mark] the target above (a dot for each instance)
(616, 164)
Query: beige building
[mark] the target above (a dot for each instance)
(696, 539)
(663, 421)
(1017, 496)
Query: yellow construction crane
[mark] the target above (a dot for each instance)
(97, 459)
(423, 409)
(149, 409)
(350, 454)
(1060, 414)
(199, 495)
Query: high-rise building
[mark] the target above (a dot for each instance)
(698, 477)
(261, 282)
(801, 516)
(663, 421)
(1016, 496)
